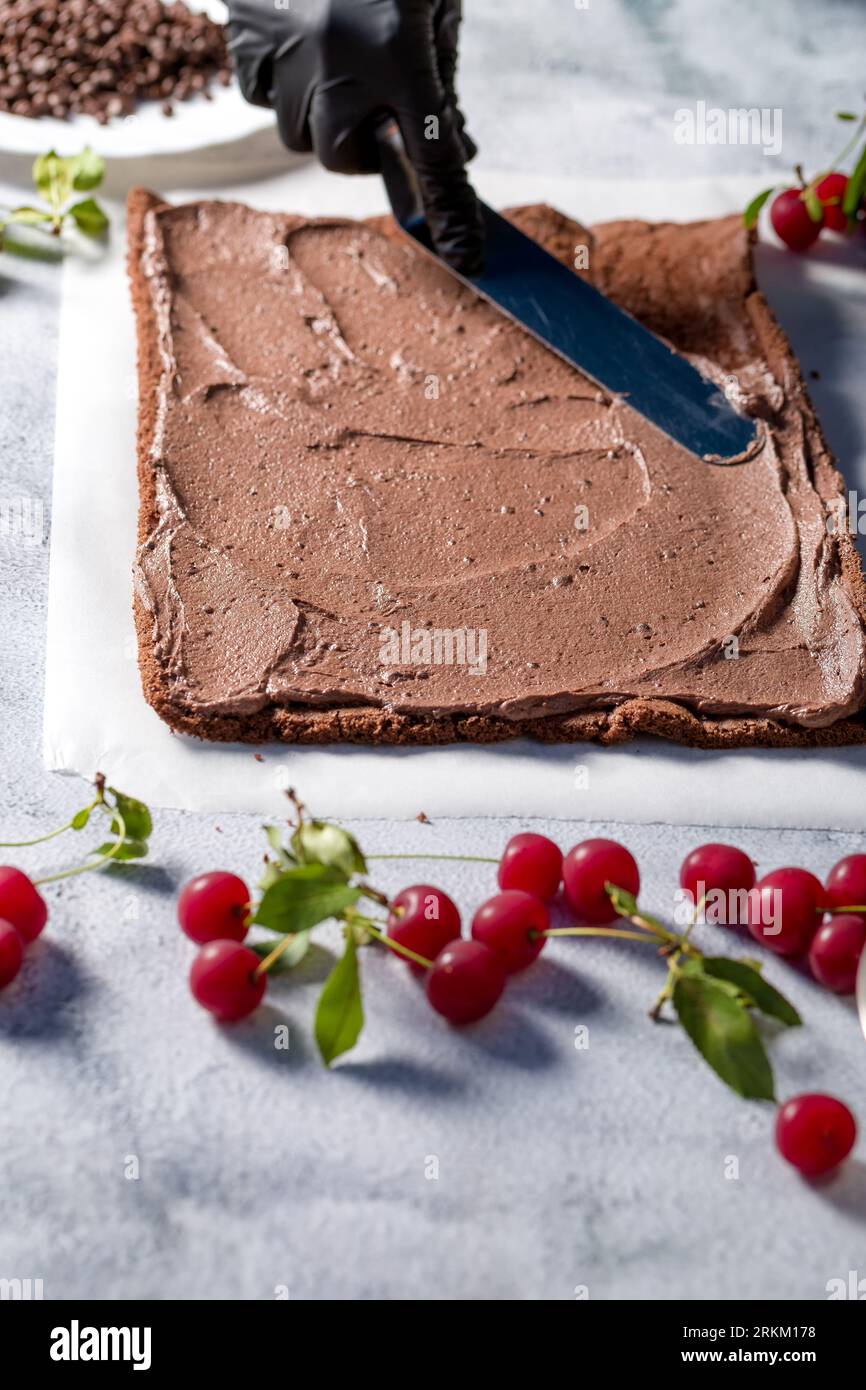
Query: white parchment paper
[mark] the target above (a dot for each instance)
(96, 716)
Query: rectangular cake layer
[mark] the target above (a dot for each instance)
(373, 509)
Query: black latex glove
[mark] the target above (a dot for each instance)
(332, 68)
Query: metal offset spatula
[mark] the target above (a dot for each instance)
(580, 324)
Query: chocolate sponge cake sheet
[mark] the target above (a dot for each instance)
(373, 509)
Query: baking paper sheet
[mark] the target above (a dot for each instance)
(97, 718)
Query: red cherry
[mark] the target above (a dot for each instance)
(21, 903)
(833, 187)
(504, 923)
(533, 863)
(846, 882)
(465, 981)
(784, 910)
(11, 953)
(815, 1133)
(790, 218)
(223, 980)
(835, 952)
(587, 868)
(719, 869)
(214, 907)
(424, 919)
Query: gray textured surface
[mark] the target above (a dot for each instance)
(591, 86)
(557, 1167)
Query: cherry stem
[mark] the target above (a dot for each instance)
(842, 155)
(39, 839)
(685, 948)
(299, 806)
(855, 907)
(373, 894)
(590, 931)
(657, 928)
(655, 1012)
(366, 925)
(264, 966)
(52, 834)
(102, 859)
(461, 858)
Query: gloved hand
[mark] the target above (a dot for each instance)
(333, 68)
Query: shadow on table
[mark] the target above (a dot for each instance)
(846, 1190)
(40, 1006)
(148, 878)
(507, 1035)
(556, 986)
(403, 1074)
(256, 1036)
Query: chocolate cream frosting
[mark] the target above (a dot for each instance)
(347, 440)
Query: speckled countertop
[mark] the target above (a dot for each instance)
(606, 1168)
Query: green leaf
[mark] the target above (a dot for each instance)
(696, 968)
(88, 170)
(319, 843)
(724, 1032)
(80, 819)
(136, 817)
(53, 178)
(845, 116)
(340, 1014)
(275, 839)
(814, 206)
(856, 187)
(303, 896)
(363, 936)
(275, 867)
(271, 873)
(129, 849)
(89, 217)
(624, 902)
(747, 979)
(43, 248)
(752, 213)
(753, 961)
(29, 217)
(290, 957)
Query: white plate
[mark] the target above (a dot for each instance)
(197, 123)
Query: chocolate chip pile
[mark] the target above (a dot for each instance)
(99, 57)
